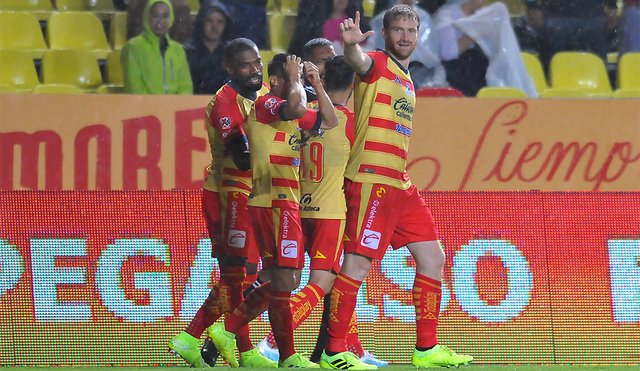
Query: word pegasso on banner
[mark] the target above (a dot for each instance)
(463, 289)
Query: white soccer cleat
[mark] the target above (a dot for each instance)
(266, 350)
(370, 359)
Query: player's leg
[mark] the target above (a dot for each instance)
(187, 343)
(416, 229)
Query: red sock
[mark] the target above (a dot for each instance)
(343, 304)
(281, 319)
(426, 298)
(243, 341)
(231, 281)
(249, 280)
(302, 304)
(253, 306)
(353, 341)
(208, 313)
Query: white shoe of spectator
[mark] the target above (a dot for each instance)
(370, 359)
(266, 350)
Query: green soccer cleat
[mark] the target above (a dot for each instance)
(188, 348)
(253, 359)
(344, 361)
(439, 356)
(225, 341)
(297, 361)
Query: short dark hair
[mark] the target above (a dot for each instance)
(400, 11)
(312, 44)
(236, 46)
(338, 75)
(276, 66)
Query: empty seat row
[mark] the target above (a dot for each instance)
(64, 31)
(70, 67)
(43, 9)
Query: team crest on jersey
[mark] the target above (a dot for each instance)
(225, 123)
(409, 90)
(270, 104)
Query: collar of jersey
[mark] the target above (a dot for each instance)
(234, 87)
(395, 60)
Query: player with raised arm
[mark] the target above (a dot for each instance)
(383, 207)
(224, 204)
(322, 204)
(274, 141)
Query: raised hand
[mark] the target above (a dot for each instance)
(311, 73)
(293, 67)
(351, 33)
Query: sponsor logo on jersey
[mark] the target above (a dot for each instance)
(225, 123)
(237, 238)
(282, 196)
(289, 249)
(404, 110)
(236, 194)
(370, 239)
(372, 213)
(306, 199)
(380, 191)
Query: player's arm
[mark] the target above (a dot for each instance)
(327, 112)
(238, 148)
(296, 105)
(351, 37)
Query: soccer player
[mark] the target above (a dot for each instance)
(317, 51)
(383, 207)
(224, 204)
(274, 141)
(322, 204)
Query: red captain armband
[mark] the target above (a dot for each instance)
(310, 121)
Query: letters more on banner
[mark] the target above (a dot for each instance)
(96, 278)
(160, 142)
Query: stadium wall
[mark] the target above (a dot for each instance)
(96, 278)
(159, 142)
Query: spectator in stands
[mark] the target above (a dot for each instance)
(312, 16)
(180, 31)
(572, 25)
(153, 63)
(464, 61)
(631, 27)
(121, 4)
(205, 50)
(249, 20)
(425, 67)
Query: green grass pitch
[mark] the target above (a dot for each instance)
(390, 368)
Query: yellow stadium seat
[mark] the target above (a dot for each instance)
(369, 6)
(78, 31)
(194, 5)
(495, 92)
(267, 56)
(57, 89)
(627, 93)
(289, 6)
(21, 31)
(110, 89)
(73, 67)
(41, 9)
(562, 93)
(516, 8)
(114, 68)
(271, 7)
(7, 89)
(281, 28)
(582, 71)
(103, 9)
(534, 67)
(17, 70)
(118, 31)
(629, 71)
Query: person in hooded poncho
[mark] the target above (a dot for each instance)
(152, 62)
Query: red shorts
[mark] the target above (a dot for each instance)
(280, 235)
(323, 241)
(379, 215)
(229, 225)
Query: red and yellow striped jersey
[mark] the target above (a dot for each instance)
(275, 153)
(324, 160)
(226, 113)
(384, 103)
